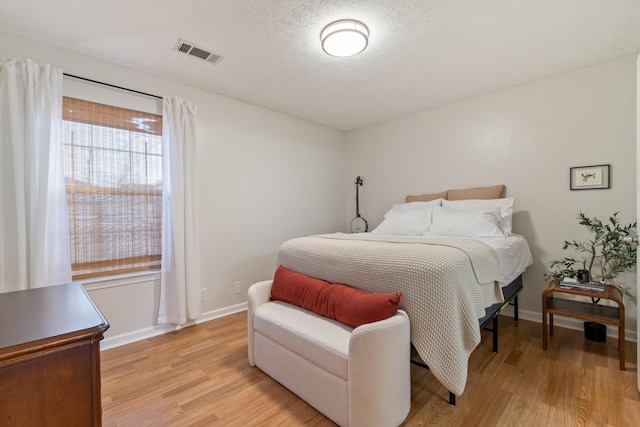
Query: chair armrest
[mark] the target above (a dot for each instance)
(380, 372)
(257, 294)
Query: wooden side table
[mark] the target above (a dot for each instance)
(584, 310)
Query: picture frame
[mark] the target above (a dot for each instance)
(593, 177)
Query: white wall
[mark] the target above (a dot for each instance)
(263, 178)
(526, 137)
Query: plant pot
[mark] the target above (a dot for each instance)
(595, 331)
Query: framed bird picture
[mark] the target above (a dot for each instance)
(590, 177)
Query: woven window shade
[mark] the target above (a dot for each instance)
(113, 170)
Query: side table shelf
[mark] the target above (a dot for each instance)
(584, 310)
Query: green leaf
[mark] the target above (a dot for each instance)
(605, 255)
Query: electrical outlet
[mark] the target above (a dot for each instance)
(203, 294)
(237, 287)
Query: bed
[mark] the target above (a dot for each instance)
(454, 282)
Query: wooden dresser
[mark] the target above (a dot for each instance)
(50, 357)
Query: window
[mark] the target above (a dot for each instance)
(113, 171)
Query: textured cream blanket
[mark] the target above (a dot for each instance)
(443, 282)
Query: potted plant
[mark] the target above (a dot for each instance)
(605, 256)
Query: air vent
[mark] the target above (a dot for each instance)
(196, 51)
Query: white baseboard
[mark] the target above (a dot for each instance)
(567, 322)
(142, 334)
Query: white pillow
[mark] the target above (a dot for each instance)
(413, 222)
(414, 205)
(505, 205)
(466, 223)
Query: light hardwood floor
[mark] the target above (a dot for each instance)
(200, 376)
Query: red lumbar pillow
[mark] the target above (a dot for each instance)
(343, 303)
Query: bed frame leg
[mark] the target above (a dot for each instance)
(452, 397)
(495, 334)
(515, 308)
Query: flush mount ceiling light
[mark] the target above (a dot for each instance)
(343, 38)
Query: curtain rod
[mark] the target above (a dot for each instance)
(113, 86)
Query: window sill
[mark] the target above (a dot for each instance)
(125, 279)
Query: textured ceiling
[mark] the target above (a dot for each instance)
(421, 53)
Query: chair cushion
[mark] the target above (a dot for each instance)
(322, 341)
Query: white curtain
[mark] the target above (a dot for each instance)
(34, 234)
(180, 278)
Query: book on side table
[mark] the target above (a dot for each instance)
(571, 283)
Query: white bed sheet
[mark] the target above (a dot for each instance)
(514, 255)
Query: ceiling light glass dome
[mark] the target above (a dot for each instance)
(343, 38)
